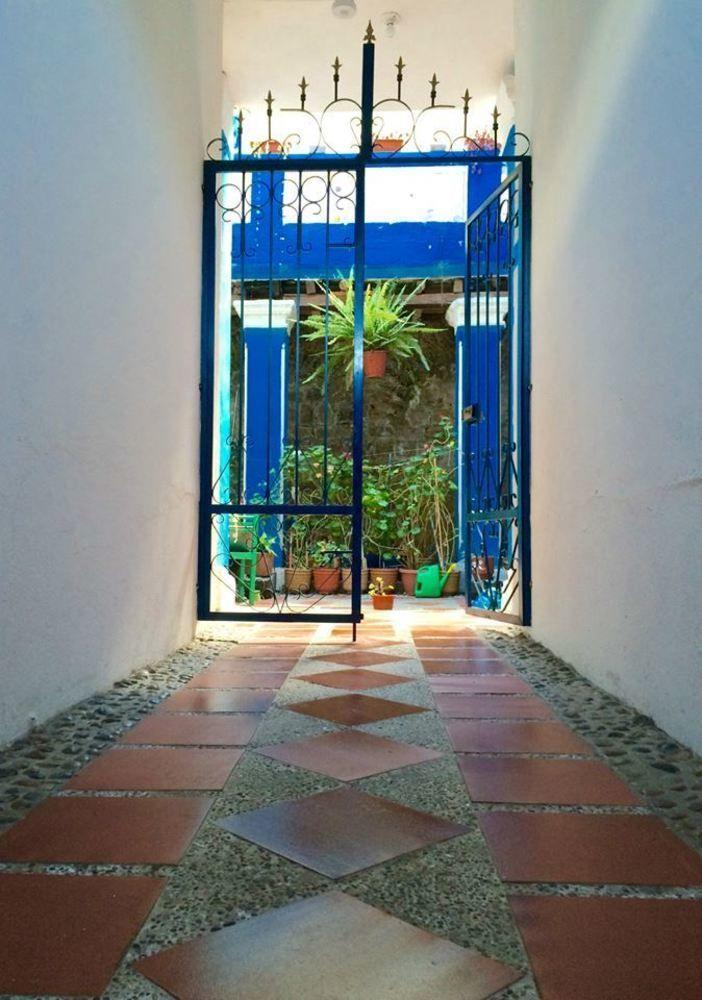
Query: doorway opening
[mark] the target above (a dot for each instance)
(365, 361)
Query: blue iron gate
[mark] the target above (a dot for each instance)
(494, 438)
(281, 227)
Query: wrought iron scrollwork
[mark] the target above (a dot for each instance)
(418, 134)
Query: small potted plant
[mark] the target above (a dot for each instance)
(390, 329)
(298, 575)
(389, 143)
(381, 594)
(266, 556)
(326, 575)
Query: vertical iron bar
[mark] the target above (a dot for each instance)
(242, 348)
(525, 391)
(298, 258)
(358, 304)
(467, 428)
(325, 445)
(269, 339)
(207, 325)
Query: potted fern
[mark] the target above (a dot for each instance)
(390, 328)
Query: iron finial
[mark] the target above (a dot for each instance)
(303, 92)
(269, 103)
(495, 116)
(433, 83)
(369, 36)
(336, 66)
(466, 105)
(400, 65)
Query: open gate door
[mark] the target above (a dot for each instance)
(495, 386)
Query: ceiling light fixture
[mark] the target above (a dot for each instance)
(344, 9)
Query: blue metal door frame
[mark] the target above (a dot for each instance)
(367, 157)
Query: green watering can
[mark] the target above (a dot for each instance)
(430, 581)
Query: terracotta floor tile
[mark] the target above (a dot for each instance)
(588, 849)
(166, 769)
(557, 782)
(354, 709)
(360, 644)
(212, 700)
(462, 666)
(358, 953)
(105, 830)
(491, 706)
(469, 736)
(463, 645)
(263, 650)
(353, 680)
(479, 684)
(193, 730)
(64, 935)
(268, 679)
(348, 754)
(342, 831)
(360, 658)
(596, 948)
(241, 664)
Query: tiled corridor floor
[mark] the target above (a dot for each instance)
(442, 811)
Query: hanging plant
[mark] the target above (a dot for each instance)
(390, 329)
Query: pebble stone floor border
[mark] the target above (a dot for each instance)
(451, 888)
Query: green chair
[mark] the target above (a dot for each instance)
(243, 552)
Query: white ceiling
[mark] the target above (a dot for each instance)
(270, 44)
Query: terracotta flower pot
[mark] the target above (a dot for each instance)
(409, 580)
(388, 145)
(388, 575)
(383, 602)
(483, 567)
(264, 564)
(269, 146)
(326, 579)
(450, 588)
(346, 580)
(298, 581)
(374, 363)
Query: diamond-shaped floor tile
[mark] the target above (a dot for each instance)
(469, 736)
(64, 935)
(193, 730)
(529, 781)
(360, 658)
(213, 700)
(166, 769)
(331, 947)
(491, 706)
(353, 680)
(598, 947)
(348, 754)
(354, 709)
(478, 684)
(588, 849)
(342, 831)
(105, 830)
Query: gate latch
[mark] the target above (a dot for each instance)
(471, 413)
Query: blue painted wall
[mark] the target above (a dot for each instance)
(283, 251)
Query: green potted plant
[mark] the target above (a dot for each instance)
(390, 329)
(381, 595)
(298, 575)
(380, 524)
(326, 575)
(266, 556)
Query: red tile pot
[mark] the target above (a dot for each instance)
(450, 588)
(388, 575)
(326, 579)
(383, 602)
(409, 580)
(374, 363)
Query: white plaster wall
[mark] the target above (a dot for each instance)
(609, 93)
(106, 107)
